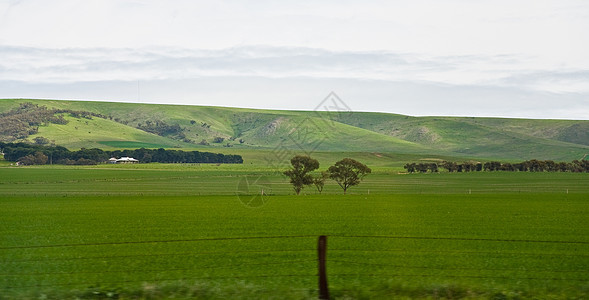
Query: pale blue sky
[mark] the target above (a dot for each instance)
(470, 58)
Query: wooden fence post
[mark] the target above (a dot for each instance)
(322, 251)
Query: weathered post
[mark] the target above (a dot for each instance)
(322, 251)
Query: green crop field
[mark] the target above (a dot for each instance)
(215, 231)
(200, 231)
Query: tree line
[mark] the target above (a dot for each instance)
(29, 154)
(534, 165)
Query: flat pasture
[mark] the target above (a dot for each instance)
(206, 179)
(183, 231)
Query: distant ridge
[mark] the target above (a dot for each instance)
(133, 125)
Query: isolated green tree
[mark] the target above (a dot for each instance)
(319, 181)
(299, 174)
(348, 172)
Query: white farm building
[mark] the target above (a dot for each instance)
(123, 160)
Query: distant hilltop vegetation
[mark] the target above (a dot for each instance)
(111, 126)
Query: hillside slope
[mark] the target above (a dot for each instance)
(483, 137)
(130, 125)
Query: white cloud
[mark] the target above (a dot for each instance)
(529, 46)
(83, 65)
(551, 30)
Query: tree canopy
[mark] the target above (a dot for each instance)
(348, 172)
(299, 173)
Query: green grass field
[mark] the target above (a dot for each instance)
(205, 231)
(190, 231)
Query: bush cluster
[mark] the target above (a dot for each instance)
(534, 165)
(161, 128)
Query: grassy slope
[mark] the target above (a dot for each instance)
(82, 133)
(259, 128)
(484, 138)
(562, 130)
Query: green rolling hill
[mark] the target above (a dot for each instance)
(130, 125)
(483, 137)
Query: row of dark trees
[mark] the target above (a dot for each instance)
(346, 172)
(534, 165)
(34, 154)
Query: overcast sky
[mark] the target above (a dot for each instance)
(513, 58)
